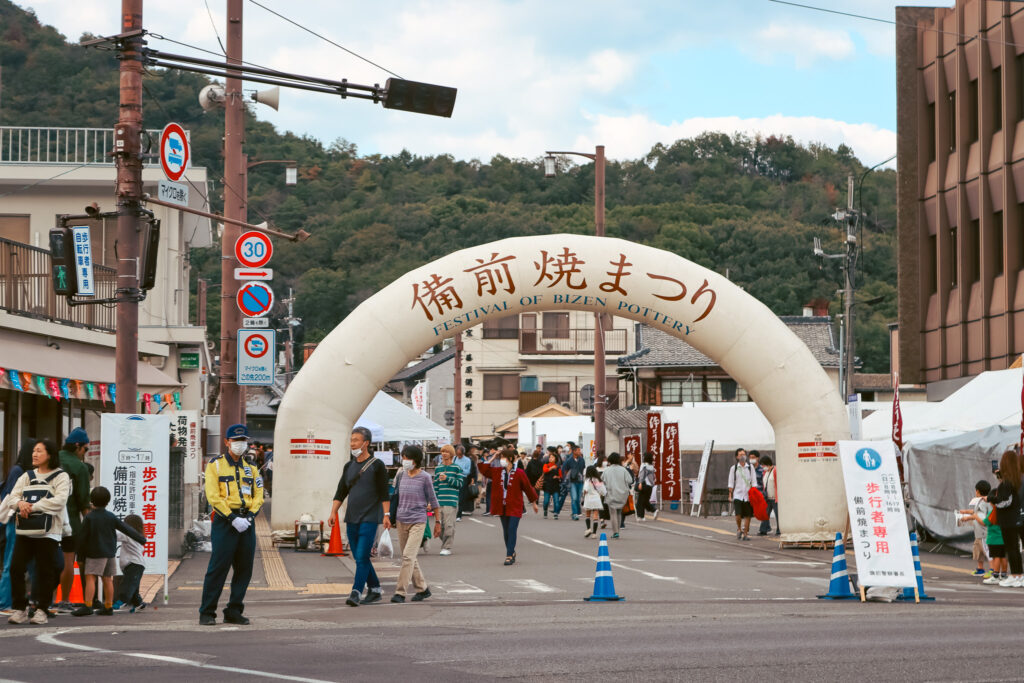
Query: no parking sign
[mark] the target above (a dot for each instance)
(256, 357)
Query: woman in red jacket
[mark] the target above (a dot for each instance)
(508, 484)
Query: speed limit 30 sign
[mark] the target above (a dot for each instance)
(253, 249)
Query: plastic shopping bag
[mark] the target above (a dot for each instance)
(384, 547)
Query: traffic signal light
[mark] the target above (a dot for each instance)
(62, 262)
(419, 98)
(150, 251)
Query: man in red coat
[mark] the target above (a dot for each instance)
(508, 484)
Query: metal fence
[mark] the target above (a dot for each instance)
(27, 289)
(570, 341)
(39, 145)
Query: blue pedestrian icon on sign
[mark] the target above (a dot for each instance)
(869, 459)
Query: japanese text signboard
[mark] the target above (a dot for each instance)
(135, 468)
(256, 357)
(632, 444)
(185, 431)
(654, 434)
(878, 520)
(669, 470)
(83, 260)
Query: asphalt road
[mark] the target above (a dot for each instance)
(699, 606)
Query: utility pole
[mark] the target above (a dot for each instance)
(289, 345)
(232, 407)
(849, 272)
(457, 428)
(600, 371)
(127, 149)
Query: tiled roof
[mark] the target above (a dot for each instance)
(872, 381)
(420, 368)
(660, 349)
(625, 419)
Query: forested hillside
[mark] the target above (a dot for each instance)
(745, 207)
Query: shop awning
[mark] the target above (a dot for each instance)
(62, 358)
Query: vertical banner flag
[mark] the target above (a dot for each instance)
(878, 520)
(632, 445)
(135, 467)
(419, 398)
(654, 433)
(897, 414)
(185, 431)
(670, 469)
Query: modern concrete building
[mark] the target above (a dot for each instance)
(960, 155)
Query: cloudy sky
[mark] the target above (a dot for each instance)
(565, 74)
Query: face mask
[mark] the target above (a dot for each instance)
(504, 462)
(356, 452)
(238, 447)
(407, 465)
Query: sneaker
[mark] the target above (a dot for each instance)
(118, 605)
(353, 599)
(445, 552)
(38, 617)
(18, 617)
(654, 515)
(397, 598)
(992, 581)
(139, 607)
(739, 535)
(207, 620)
(1008, 582)
(372, 596)
(978, 572)
(746, 537)
(235, 618)
(1019, 583)
(556, 518)
(589, 533)
(82, 611)
(105, 612)
(422, 595)
(64, 606)
(615, 535)
(986, 575)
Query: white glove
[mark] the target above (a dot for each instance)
(241, 524)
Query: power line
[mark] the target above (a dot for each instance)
(44, 180)
(963, 36)
(214, 25)
(157, 36)
(324, 38)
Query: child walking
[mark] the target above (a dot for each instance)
(132, 567)
(593, 492)
(98, 545)
(977, 514)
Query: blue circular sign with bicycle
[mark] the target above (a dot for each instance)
(868, 459)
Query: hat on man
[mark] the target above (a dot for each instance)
(237, 431)
(77, 436)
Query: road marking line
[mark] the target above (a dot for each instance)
(458, 587)
(531, 585)
(51, 639)
(649, 575)
(482, 522)
(273, 566)
(698, 526)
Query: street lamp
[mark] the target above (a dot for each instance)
(600, 371)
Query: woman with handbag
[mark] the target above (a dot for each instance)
(551, 483)
(508, 485)
(1006, 499)
(38, 499)
(414, 490)
(618, 481)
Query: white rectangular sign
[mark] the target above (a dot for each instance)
(878, 521)
(254, 273)
(702, 474)
(256, 357)
(255, 322)
(175, 193)
(135, 468)
(83, 260)
(185, 431)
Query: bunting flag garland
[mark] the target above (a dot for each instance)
(54, 388)
(177, 400)
(90, 390)
(41, 383)
(147, 400)
(16, 380)
(65, 388)
(158, 400)
(112, 388)
(69, 389)
(103, 394)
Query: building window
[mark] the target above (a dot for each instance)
(997, 99)
(972, 260)
(972, 111)
(1020, 86)
(502, 328)
(952, 122)
(954, 260)
(529, 383)
(556, 325)
(998, 235)
(932, 264)
(930, 132)
(674, 391)
(558, 390)
(501, 387)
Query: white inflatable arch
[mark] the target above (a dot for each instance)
(550, 272)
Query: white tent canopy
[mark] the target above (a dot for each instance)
(730, 425)
(556, 430)
(392, 420)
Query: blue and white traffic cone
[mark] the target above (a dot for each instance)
(908, 593)
(604, 585)
(839, 583)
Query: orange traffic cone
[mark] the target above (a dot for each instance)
(76, 590)
(335, 547)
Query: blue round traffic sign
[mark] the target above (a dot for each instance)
(255, 299)
(868, 459)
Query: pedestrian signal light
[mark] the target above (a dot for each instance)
(62, 262)
(419, 98)
(150, 251)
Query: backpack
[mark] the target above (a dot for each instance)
(759, 504)
(37, 524)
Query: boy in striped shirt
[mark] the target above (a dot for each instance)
(448, 479)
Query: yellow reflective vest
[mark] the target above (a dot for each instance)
(233, 486)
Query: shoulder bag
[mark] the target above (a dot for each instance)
(37, 524)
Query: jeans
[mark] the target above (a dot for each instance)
(131, 577)
(556, 502)
(234, 551)
(361, 538)
(410, 536)
(5, 564)
(43, 551)
(510, 530)
(766, 525)
(576, 491)
(487, 498)
(1011, 540)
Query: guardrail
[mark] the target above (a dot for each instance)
(570, 341)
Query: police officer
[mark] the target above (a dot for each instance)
(235, 490)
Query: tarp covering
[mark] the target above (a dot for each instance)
(941, 473)
(391, 420)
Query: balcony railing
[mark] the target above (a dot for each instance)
(26, 289)
(37, 145)
(569, 342)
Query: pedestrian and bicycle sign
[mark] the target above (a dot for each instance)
(256, 357)
(174, 151)
(255, 299)
(253, 249)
